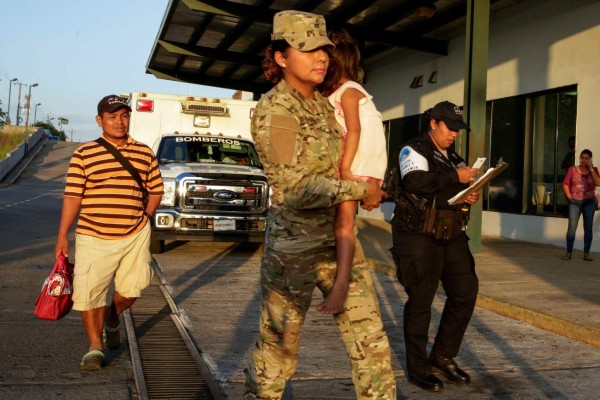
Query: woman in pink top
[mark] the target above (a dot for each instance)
(580, 188)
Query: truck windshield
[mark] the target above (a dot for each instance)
(207, 150)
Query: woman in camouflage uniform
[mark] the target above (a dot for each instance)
(300, 145)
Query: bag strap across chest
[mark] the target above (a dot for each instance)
(124, 162)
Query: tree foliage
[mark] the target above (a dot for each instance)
(62, 121)
(3, 116)
(52, 129)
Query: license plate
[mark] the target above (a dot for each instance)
(224, 225)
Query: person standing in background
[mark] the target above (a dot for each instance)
(569, 159)
(580, 189)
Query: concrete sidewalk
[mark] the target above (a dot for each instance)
(525, 281)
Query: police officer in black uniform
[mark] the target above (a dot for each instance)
(430, 244)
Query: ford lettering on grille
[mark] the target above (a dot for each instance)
(224, 195)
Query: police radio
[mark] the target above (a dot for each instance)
(463, 216)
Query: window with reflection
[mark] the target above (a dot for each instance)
(207, 150)
(506, 133)
(552, 150)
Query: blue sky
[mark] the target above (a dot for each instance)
(78, 51)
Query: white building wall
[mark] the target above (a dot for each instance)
(544, 45)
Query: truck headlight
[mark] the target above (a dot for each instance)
(168, 198)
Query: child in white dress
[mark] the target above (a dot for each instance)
(364, 156)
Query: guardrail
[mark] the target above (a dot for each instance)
(14, 157)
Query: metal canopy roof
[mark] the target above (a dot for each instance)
(221, 43)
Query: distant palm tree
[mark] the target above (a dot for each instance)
(62, 121)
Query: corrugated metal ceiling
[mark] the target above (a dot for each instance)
(221, 43)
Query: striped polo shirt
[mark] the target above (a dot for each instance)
(111, 200)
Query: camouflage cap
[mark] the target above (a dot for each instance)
(303, 31)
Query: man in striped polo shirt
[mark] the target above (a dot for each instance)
(112, 241)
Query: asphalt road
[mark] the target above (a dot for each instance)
(30, 208)
(40, 359)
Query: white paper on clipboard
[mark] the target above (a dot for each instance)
(479, 162)
(490, 174)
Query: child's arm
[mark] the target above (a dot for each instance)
(349, 102)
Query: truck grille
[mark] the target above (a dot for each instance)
(207, 224)
(225, 197)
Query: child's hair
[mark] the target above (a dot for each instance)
(273, 72)
(343, 62)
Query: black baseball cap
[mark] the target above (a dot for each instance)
(450, 113)
(112, 103)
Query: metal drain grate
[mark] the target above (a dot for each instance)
(170, 366)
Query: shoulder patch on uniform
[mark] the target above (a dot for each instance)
(281, 137)
(410, 161)
(282, 121)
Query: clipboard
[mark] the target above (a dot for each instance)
(490, 174)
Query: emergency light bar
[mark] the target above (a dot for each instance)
(203, 107)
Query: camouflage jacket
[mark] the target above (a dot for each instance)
(300, 145)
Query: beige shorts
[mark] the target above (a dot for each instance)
(99, 262)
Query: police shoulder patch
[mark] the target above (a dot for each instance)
(410, 161)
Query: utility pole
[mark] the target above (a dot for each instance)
(10, 83)
(35, 113)
(28, 107)
(19, 103)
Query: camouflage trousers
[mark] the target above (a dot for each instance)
(288, 282)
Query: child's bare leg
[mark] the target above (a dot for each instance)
(344, 236)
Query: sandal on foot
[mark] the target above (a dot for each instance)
(112, 336)
(92, 361)
(567, 256)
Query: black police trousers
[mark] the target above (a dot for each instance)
(422, 262)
